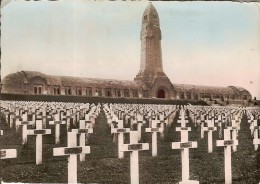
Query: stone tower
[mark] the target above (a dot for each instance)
(151, 67)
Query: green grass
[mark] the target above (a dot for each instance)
(103, 166)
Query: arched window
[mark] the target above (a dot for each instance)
(78, 91)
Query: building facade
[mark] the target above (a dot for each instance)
(150, 82)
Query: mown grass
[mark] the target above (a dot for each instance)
(103, 166)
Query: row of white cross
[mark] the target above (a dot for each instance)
(118, 113)
(85, 126)
(185, 144)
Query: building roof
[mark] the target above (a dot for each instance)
(84, 81)
(206, 89)
(27, 76)
(12, 83)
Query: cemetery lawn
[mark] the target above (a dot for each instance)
(103, 166)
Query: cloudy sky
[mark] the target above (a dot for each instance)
(203, 43)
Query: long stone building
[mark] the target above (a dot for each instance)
(150, 82)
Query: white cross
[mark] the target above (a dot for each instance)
(134, 147)
(162, 123)
(251, 120)
(220, 121)
(210, 129)
(234, 130)
(202, 128)
(120, 130)
(6, 113)
(109, 119)
(185, 145)
(24, 123)
(12, 115)
(255, 129)
(139, 121)
(39, 132)
(253, 123)
(17, 118)
(236, 123)
(68, 116)
(227, 143)
(82, 139)
(72, 150)
(154, 131)
(44, 116)
(182, 122)
(57, 122)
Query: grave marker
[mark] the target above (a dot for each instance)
(120, 131)
(82, 139)
(210, 129)
(24, 123)
(253, 123)
(72, 150)
(154, 131)
(201, 122)
(234, 130)
(134, 147)
(185, 145)
(39, 132)
(57, 122)
(227, 143)
(139, 121)
(256, 129)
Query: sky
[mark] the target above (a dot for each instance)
(203, 43)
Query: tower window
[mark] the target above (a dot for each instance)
(145, 17)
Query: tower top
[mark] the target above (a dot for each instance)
(149, 8)
(150, 15)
